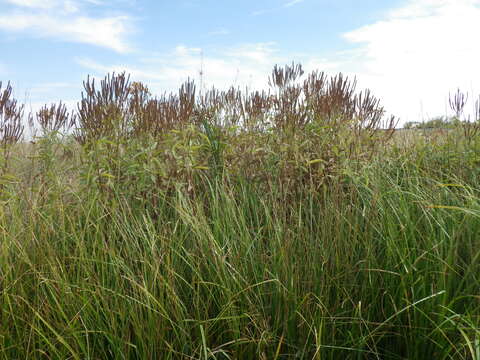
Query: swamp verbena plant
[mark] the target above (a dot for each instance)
(11, 127)
(300, 119)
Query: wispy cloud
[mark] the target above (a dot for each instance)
(67, 6)
(285, 5)
(292, 3)
(3, 70)
(65, 20)
(260, 12)
(35, 4)
(219, 32)
(259, 53)
(47, 93)
(95, 2)
(50, 87)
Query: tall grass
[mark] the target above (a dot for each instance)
(307, 236)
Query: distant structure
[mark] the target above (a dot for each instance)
(201, 71)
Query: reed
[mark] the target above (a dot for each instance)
(287, 223)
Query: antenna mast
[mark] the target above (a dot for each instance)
(201, 71)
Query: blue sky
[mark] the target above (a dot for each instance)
(411, 53)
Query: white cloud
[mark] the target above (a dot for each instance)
(292, 3)
(271, 10)
(3, 70)
(34, 106)
(63, 19)
(51, 87)
(182, 51)
(40, 94)
(260, 12)
(221, 31)
(67, 6)
(95, 2)
(419, 53)
(260, 53)
(39, 4)
(70, 7)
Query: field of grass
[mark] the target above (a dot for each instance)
(231, 225)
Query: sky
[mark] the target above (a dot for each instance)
(411, 53)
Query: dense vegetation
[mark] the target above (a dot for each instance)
(289, 223)
(441, 122)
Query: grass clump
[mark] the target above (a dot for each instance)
(264, 225)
